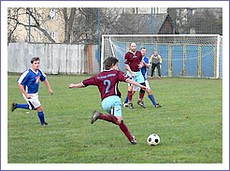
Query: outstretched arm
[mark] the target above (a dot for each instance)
(137, 84)
(78, 85)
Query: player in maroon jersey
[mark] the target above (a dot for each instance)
(107, 83)
(133, 61)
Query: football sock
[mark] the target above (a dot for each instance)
(151, 97)
(23, 106)
(125, 130)
(130, 95)
(141, 95)
(126, 99)
(108, 117)
(41, 117)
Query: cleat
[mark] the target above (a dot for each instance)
(125, 105)
(140, 103)
(133, 141)
(158, 105)
(44, 124)
(14, 106)
(94, 117)
(131, 105)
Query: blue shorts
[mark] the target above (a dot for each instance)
(112, 105)
(138, 77)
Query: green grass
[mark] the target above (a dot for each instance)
(189, 124)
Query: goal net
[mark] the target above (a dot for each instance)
(183, 55)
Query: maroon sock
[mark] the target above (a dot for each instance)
(141, 96)
(125, 130)
(130, 95)
(108, 117)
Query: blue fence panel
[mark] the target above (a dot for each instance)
(207, 61)
(191, 65)
(163, 51)
(177, 60)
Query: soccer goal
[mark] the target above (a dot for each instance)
(183, 55)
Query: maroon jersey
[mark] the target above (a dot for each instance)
(133, 60)
(107, 82)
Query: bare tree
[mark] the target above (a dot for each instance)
(201, 20)
(69, 20)
(36, 21)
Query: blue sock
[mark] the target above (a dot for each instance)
(41, 117)
(126, 99)
(23, 106)
(152, 99)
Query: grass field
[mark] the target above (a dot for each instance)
(189, 124)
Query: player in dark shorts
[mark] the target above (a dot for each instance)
(107, 83)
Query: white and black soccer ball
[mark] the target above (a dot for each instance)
(153, 139)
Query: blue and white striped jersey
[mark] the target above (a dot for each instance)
(30, 80)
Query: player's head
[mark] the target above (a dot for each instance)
(35, 61)
(111, 62)
(143, 51)
(155, 53)
(133, 46)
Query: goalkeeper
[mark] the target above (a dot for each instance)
(156, 61)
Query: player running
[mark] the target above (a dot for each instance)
(28, 84)
(107, 83)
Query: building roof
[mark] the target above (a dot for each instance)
(140, 23)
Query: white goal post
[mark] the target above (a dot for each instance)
(183, 55)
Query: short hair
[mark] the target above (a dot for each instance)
(142, 48)
(34, 59)
(109, 62)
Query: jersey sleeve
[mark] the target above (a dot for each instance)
(89, 81)
(160, 59)
(43, 76)
(146, 60)
(151, 58)
(23, 78)
(122, 76)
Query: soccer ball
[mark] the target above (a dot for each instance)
(153, 140)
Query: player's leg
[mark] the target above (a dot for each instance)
(130, 92)
(159, 70)
(130, 96)
(125, 104)
(16, 106)
(117, 112)
(41, 115)
(108, 105)
(152, 70)
(36, 104)
(151, 96)
(112, 105)
(140, 79)
(28, 105)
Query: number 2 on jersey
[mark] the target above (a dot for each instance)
(107, 83)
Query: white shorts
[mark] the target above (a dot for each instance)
(33, 102)
(136, 88)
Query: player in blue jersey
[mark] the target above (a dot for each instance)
(28, 84)
(145, 65)
(107, 82)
